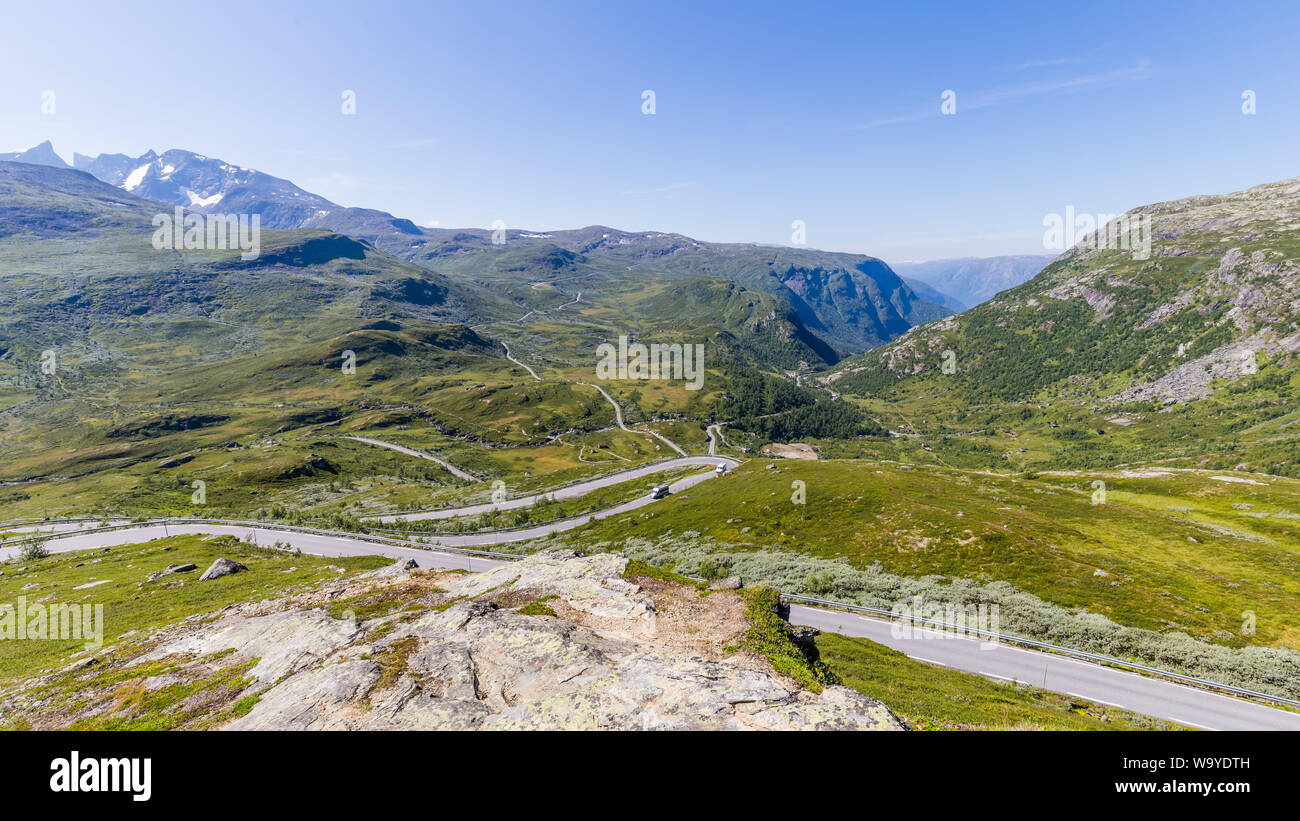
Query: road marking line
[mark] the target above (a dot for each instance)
(928, 661)
(995, 675)
(1108, 670)
(1190, 723)
(1098, 700)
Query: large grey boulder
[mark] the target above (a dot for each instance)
(592, 584)
(221, 567)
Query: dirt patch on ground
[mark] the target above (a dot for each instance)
(795, 450)
(703, 622)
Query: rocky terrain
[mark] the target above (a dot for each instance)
(1212, 303)
(556, 641)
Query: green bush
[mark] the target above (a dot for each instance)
(33, 549)
(769, 636)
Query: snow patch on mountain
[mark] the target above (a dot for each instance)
(136, 177)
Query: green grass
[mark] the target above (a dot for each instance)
(636, 568)
(927, 697)
(538, 608)
(1177, 553)
(170, 707)
(133, 605)
(768, 635)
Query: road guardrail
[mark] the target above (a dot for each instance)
(1042, 645)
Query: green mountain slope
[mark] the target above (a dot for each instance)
(111, 349)
(848, 301)
(1201, 336)
(128, 372)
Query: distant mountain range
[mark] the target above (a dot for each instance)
(972, 280)
(926, 291)
(42, 154)
(848, 302)
(211, 186)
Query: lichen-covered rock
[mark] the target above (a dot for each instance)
(592, 584)
(835, 708)
(478, 663)
(401, 567)
(283, 643)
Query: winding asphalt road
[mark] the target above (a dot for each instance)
(315, 544)
(1090, 682)
(452, 469)
(58, 526)
(576, 490)
(618, 417)
(1002, 662)
(715, 435)
(531, 372)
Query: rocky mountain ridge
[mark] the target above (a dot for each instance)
(1214, 302)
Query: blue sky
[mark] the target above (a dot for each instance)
(765, 113)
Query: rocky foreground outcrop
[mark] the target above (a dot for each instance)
(556, 641)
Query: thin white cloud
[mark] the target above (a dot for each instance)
(999, 96)
(1056, 61)
(1010, 94)
(905, 118)
(672, 186)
